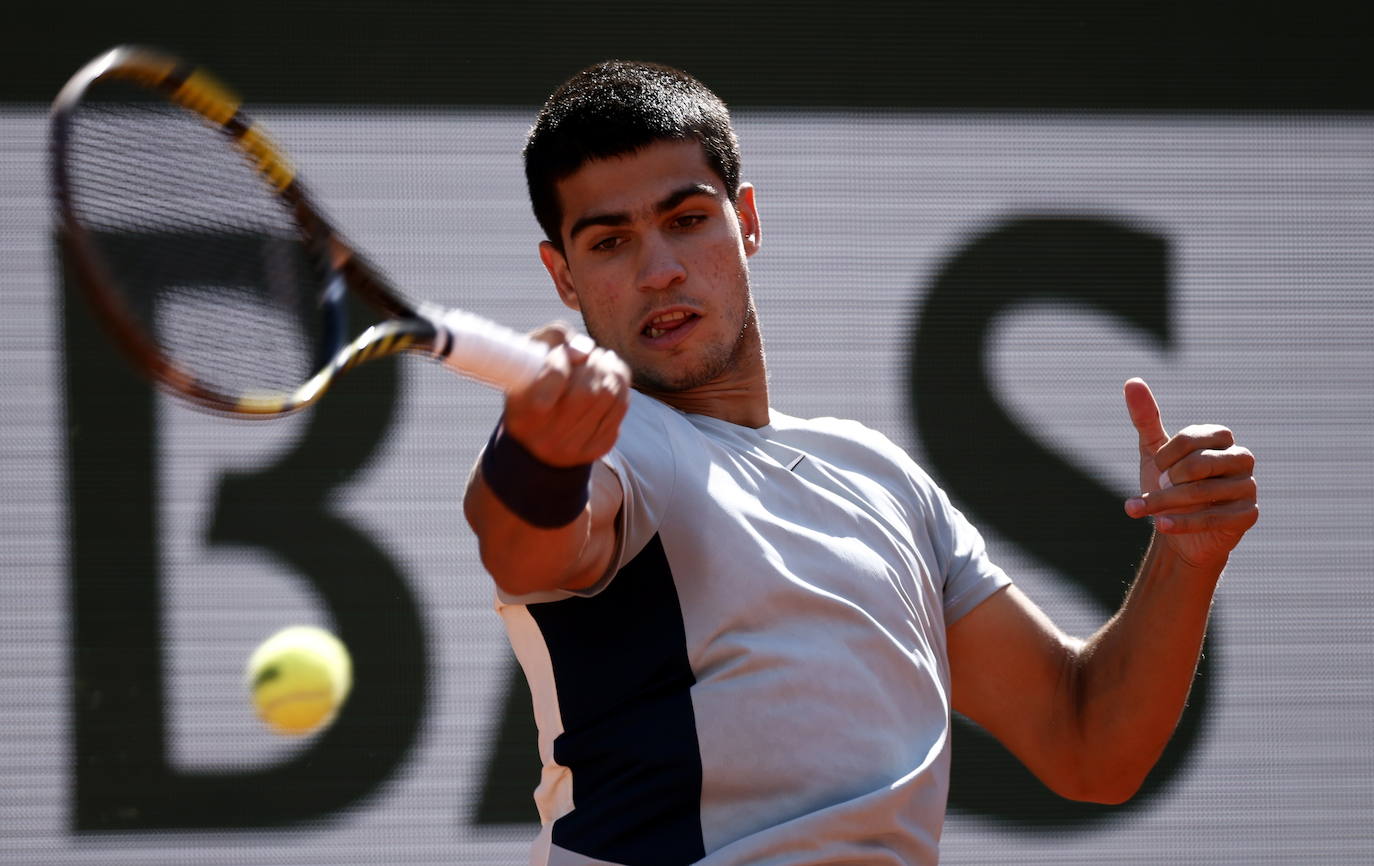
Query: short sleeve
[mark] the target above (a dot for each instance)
(961, 565)
(644, 460)
(969, 576)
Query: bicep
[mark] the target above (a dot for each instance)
(1013, 672)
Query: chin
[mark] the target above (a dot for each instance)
(692, 367)
(656, 382)
(682, 377)
(666, 378)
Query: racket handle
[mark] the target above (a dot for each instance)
(483, 350)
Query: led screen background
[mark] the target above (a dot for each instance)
(1087, 226)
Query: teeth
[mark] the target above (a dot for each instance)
(666, 319)
(670, 317)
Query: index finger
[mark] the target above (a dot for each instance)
(1144, 411)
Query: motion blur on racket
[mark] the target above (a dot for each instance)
(210, 264)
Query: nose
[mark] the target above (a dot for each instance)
(660, 264)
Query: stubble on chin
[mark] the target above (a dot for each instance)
(707, 369)
(716, 363)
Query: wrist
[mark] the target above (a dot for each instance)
(539, 493)
(1191, 563)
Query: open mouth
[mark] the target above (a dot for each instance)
(667, 322)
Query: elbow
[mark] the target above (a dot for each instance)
(512, 574)
(1106, 785)
(1106, 759)
(512, 560)
(1104, 793)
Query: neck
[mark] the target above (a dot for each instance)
(745, 404)
(740, 396)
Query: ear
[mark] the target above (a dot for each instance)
(557, 265)
(748, 213)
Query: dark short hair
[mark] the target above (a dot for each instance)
(615, 108)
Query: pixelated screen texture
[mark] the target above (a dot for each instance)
(1267, 222)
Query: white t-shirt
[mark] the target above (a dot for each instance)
(762, 678)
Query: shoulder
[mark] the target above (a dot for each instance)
(646, 454)
(649, 431)
(846, 430)
(847, 441)
(827, 427)
(648, 415)
(859, 449)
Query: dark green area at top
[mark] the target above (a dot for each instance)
(861, 53)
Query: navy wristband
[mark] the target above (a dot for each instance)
(539, 494)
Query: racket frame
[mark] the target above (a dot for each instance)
(195, 89)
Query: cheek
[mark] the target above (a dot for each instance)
(601, 308)
(729, 268)
(596, 288)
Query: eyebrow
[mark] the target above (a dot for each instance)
(620, 218)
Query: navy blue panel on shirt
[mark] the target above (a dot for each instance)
(623, 678)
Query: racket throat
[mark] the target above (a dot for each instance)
(334, 320)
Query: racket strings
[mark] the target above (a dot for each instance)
(196, 246)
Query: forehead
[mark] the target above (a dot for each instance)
(634, 182)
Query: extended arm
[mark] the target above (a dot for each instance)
(1090, 718)
(569, 416)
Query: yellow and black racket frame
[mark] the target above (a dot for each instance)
(340, 269)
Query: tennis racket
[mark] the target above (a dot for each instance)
(210, 264)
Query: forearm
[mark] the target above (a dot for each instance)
(541, 502)
(522, 558)
(1090, 718)
(1133, 676)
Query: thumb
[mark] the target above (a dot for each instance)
(555, 334)
(1144, 411)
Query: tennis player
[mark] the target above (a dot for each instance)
(744, 632)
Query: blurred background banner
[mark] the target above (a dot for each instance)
(979, 220)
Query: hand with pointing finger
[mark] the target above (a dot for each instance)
(1198, 484)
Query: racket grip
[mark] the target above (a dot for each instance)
(483, 350)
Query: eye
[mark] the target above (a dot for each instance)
(688, 220)
(607, 244)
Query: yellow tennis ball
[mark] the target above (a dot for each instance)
(299, 677)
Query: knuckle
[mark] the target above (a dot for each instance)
(1247, 458)
(559, 359)
(552, 334)
(1213, 435)
(609, 383)
(603, 361)
(617, 364)
(581, 343)
(1186, 469)
(1222, 489)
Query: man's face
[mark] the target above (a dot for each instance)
(655, 258)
